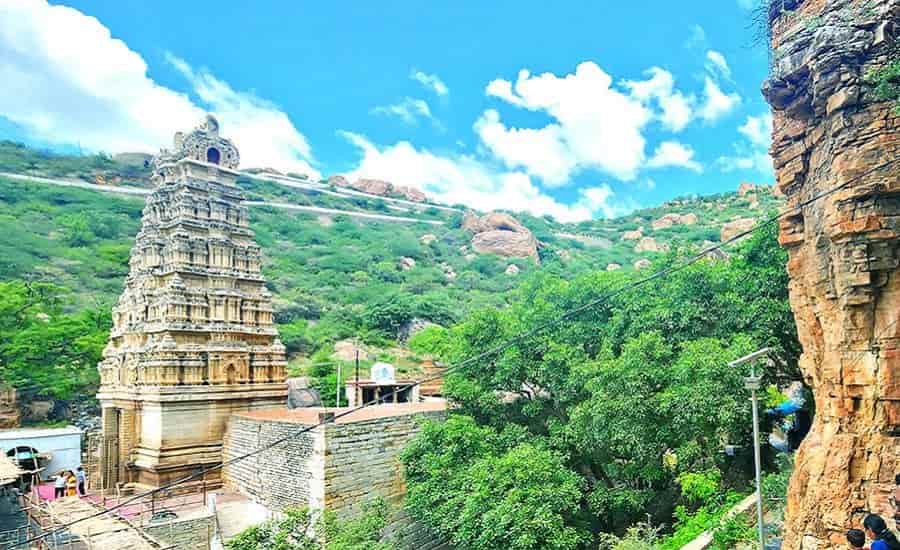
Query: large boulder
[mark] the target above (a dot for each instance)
(736, 227)
(666, 221)
(632, 235)
(410, 193)
(373, 187)
(501, 234)
(649, 244)
(689, 219)
(301, 395)
(338, 181)
(9, 409)
(746, 188)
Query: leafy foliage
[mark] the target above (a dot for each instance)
(43, 350)
(301, 529)
(640, 376)
(886, 82)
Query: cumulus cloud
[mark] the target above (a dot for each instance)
(465, 179)
(594, 125)
(758, 129)
(431, 82)
(409, 110)
(716, 103)
(751, 152)
(67, 80)
(716, 62)
(541, 152)
(264, 134)
(672, 153)
(676, 107)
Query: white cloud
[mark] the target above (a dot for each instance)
(595, 125)
(716, 103)
(67, 80)
(758, 129)
(716, 62)
(464, 179)
(674, 154)
(598, 201)
(409, 110)
(676, 107)
(541, 152)
(431, 82)
(263, 133)
(751, 153)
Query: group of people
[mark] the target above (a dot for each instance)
(69, 483)
(876, 529)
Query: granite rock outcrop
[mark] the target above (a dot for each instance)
(501, 234)
(844, 252)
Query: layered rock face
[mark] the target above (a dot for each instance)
(193, 338)
(844, 254)
(501, 234)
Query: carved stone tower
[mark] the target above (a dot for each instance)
(830, 129)
(193, 338)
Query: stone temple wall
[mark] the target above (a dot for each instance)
(336, 466)
(844, 254)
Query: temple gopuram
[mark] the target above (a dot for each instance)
(193, 337)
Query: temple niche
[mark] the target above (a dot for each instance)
(193, 337)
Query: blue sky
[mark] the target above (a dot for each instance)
(585, 109)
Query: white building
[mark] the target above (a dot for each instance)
(54, 448)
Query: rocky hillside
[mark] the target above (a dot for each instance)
(336, 269)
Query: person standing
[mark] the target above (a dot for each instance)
(882, 537)
(81, 477)
(59, 485)
(71, 484)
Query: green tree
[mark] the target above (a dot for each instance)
(301, 529)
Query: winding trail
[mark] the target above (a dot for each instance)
(138, 191)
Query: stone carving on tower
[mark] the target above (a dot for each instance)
(193, 335)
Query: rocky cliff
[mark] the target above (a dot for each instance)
(830, 129)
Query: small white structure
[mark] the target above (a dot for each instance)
(382, 388)
(383, 374)
(54, 449)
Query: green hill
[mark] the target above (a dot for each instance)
(333, 276)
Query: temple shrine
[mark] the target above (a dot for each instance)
(193, 338)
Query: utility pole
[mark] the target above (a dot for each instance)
(337, 385)
(357, 394)
(754, 383)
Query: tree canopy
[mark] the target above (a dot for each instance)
(603, 413)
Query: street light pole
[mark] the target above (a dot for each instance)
(754, 383)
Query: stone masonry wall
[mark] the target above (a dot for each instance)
(363, 463)
(288, 475)
(338, 467)
(185, 534)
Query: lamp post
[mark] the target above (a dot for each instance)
(754, 383)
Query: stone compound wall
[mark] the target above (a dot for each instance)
(336, 466)
(363, 463)
(844, 253)
(185, 534)
(287, 475)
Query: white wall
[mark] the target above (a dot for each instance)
(63, 443)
